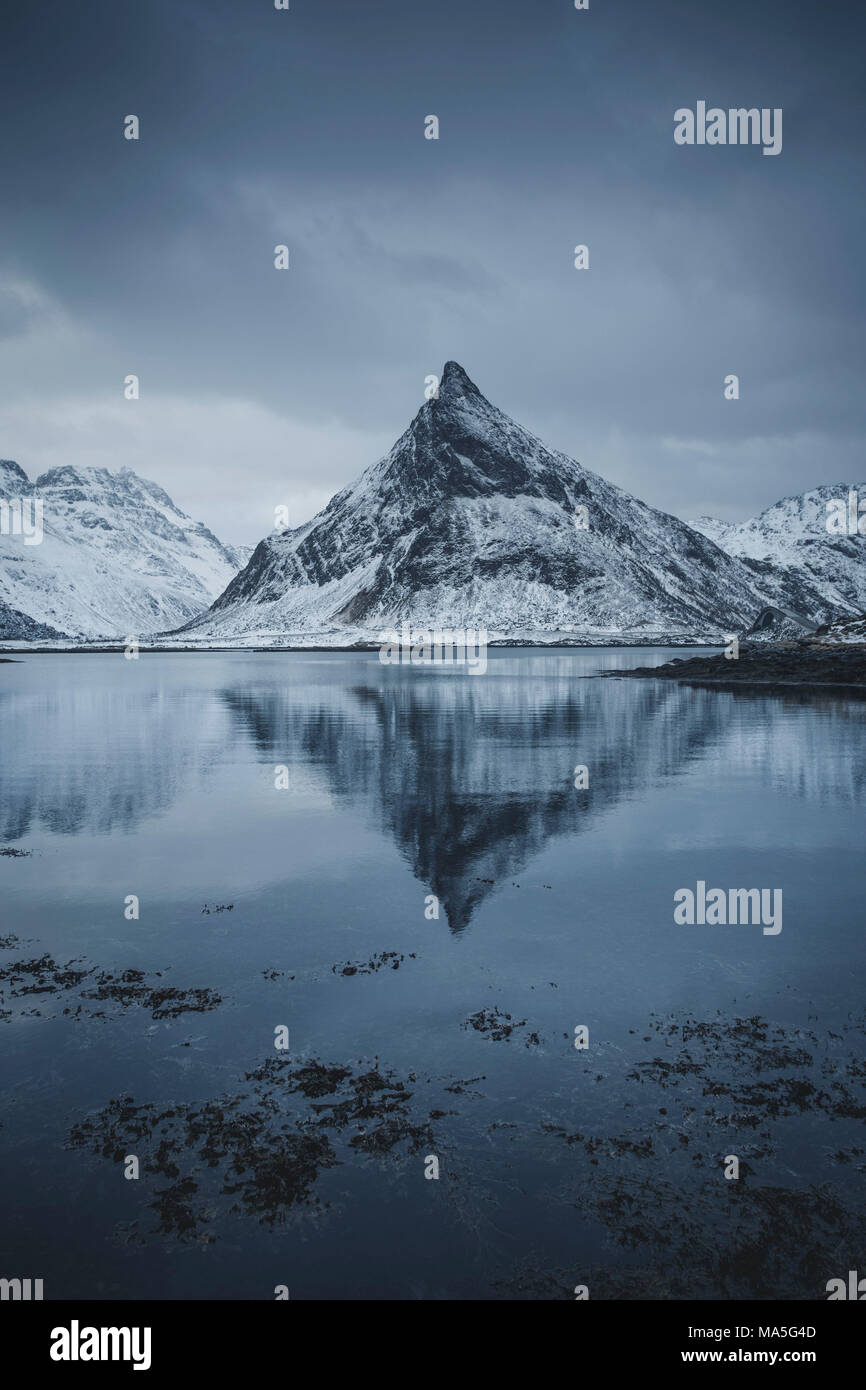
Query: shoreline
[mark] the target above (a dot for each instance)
(115, 648)
(839, 667)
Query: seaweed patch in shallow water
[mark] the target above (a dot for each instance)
(659, 1191)
(250, 1147)
(498, 1026)
(391, 959)
(42, 976)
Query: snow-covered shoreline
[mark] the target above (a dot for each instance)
(315, 644)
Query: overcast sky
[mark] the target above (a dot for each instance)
(306, 127)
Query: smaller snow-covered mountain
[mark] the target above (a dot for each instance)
(794, 561)
(117, 557)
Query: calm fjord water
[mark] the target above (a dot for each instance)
(306, 1168)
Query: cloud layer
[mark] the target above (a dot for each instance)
(306, 127)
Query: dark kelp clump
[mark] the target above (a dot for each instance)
(85, 986)
(252, 1147)
(717, 1088)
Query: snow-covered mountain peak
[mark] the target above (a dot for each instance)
(101, 486)
(798, 563)
(116, 556)
(471, 521)
(456, 383)
(461, 445)
(14, 482)
(783, 525)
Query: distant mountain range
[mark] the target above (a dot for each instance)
(792, 558)
(117, 557)
(469, 522)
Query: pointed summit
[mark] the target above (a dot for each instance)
(13, 479)
(455, 382)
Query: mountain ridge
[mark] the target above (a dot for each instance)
(792, 557)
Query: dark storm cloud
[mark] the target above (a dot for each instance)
(306, 128)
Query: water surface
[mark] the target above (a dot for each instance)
(261, 905)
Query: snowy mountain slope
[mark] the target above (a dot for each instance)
(792, 558)
(117, 556)
(843, 630)
(469, 521)
(16, 626)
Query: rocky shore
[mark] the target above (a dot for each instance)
(807, 665)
